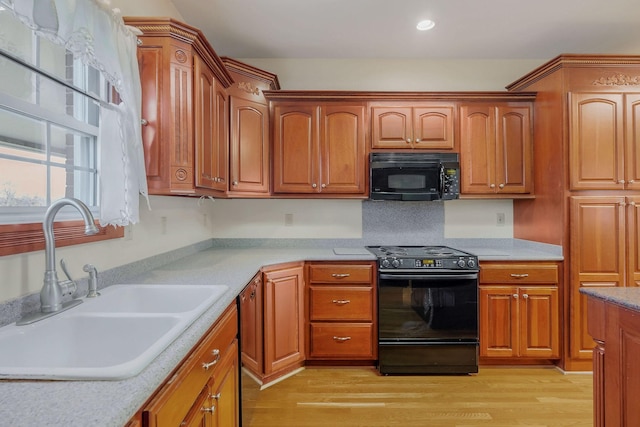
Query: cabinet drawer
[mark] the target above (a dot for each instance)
(342, 341)
(341, 303)
(518, 273)
(177, 395)
(337, 273)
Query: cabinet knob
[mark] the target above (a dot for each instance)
(632, 203)
(501, 186)
(144, 122)
(324, 186)
(492, 186)
(631, 181)
(314, 185)
(235, 183)
(515, 296)
(408, 140)
(525, 296)
(622, 181)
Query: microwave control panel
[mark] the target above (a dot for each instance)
(450, 183)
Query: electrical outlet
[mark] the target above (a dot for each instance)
(288, 220)
(500, 219)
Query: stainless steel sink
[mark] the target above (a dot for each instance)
(111, 337)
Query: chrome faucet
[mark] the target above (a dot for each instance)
(53, 290)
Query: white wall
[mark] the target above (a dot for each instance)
(187, 220)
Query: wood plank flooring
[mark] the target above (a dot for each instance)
(359, 397)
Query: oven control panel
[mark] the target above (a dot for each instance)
(454, 263)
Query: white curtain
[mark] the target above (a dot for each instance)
(94, 32)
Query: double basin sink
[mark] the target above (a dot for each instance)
(111, 337)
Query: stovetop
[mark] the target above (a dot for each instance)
(411, 258)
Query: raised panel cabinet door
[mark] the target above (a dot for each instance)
(221, 140)
(632, 141)
(249, 147)
(477, 149)
(205, 122)
(498, 321)
(433, 127)
(295, 149)
(251, 326)
(391, 127)
(514, 172)
(284, 317)
(596, 141)
(342, 149)
(226, 391)
(539, 322)
(633, 240)
(597, 254)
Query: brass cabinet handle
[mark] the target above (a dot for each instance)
(216, 353)
(341, 339)
(519, 276)
(340, 275)
(341, 301)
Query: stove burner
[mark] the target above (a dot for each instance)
(417, 251)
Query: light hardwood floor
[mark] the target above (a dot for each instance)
(496, 397)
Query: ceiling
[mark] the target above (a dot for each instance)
(465, 29)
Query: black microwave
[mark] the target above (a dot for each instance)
(414, 176)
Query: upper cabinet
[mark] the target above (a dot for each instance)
(319, 148)
(496, 148)
(184, 109)
(604, 141)
(249, 148)
(420, 126)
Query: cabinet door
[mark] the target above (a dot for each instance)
(596, 148)
(391, 127)
(284, 316)
(226, 391)
(295, 149)
(597, 253)
(210, 129)
(477, 149)
(632, 141)
(539, 323)
(498, 321)
(433, 127)
(251, 325)
(249, 147)
(342, 149)
(513, 150)
(201, 414)
(633, 241)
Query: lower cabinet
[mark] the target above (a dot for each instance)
(204, 390)
(342, 321)
(272, 322)
(519, 310)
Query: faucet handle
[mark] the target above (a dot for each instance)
(68, 286)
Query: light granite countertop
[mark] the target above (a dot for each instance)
(112, 403)
(625, 297)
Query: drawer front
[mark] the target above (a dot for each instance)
(172, 403)
(341, 303)
(342, 341)
(340, 273)
(518, 273)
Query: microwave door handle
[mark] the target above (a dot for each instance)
(441, 180)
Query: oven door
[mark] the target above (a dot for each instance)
(428, 308)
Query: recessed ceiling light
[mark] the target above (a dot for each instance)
(425, 25)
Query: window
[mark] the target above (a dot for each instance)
(49, 124)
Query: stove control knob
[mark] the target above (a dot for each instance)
(385, 263)
(395, 263)
(471, 263)
(461, 263)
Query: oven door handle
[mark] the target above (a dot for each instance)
(471, 276)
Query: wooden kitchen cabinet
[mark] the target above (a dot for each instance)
(604, 252)
(519, 310)
(207, 378)
(604, 141)
(184, 109)
(319, 149)
(421, 126)
(496, 148)
(273, 322)
(342, 311)
(249, 140)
